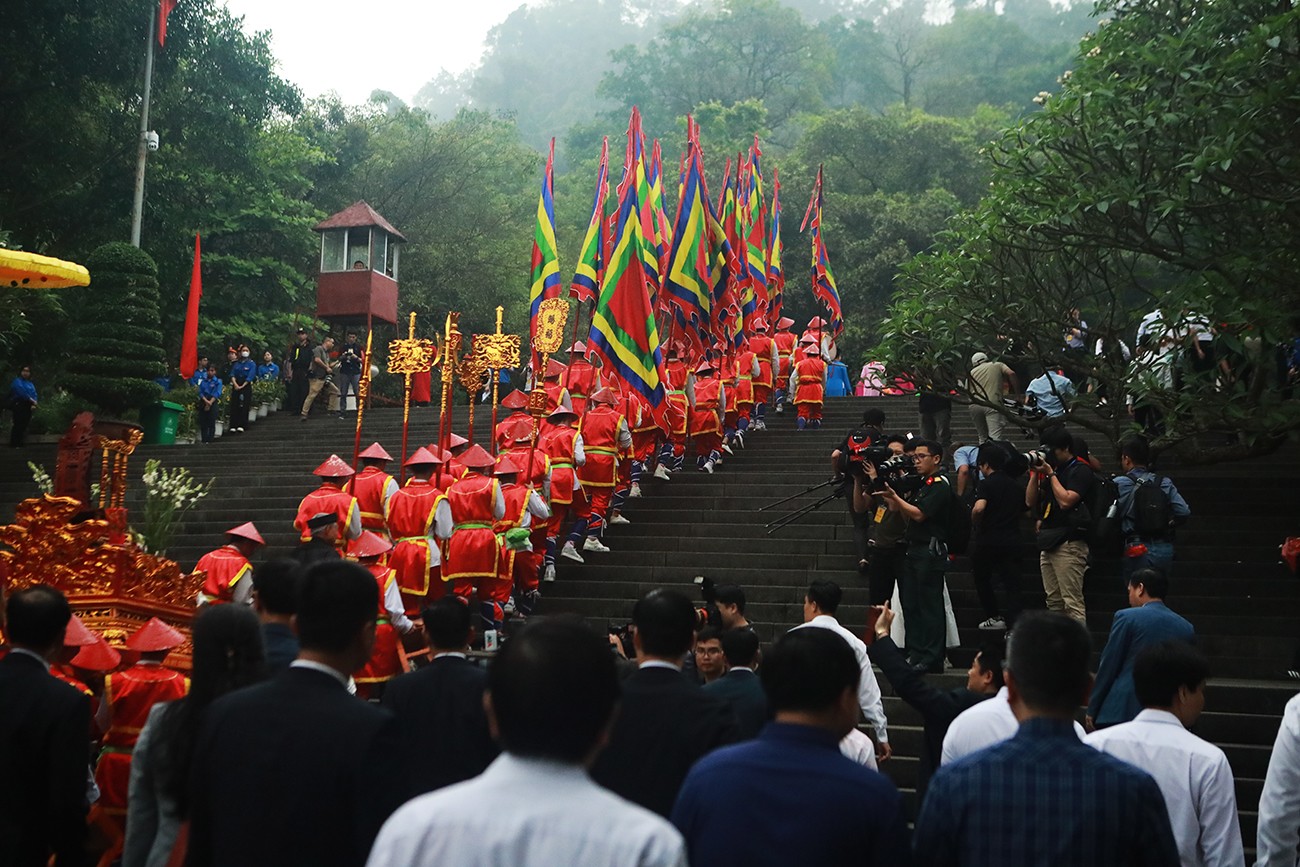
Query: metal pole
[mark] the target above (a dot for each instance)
(142, 148)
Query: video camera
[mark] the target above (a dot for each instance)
(1027, 410)
(709, 615)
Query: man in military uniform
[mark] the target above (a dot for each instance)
(130, 694)
(228, 574)
(331, 497)
(372, 487)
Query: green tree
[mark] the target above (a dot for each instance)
(1161, 177)
(116, 345)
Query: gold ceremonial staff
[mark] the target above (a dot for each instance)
(551, 315)
(408, 356)
(363, 394)
(497, 352)
(450, 348)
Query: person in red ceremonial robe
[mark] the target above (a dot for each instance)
(746, 371)
(330, 497)
(422, 388)
(517, 403)
(563, 445)
(704, 421)
(129, 694)
(646, 436)
(518, 565)
(625, 462)
(417, 558)
(680, 383)
(768, 355)
(786, 343)
(452, 470)
(808, 385)
(391, 622)
(372, 487)
(473, 506)
(581, 379)
(539, 479)
(818, 333)
(556, 394)
(85, 659)
(229, 575)
(605, 437)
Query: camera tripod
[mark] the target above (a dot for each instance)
(790, 517)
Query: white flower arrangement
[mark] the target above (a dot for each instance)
(45, 484)
(169, 494)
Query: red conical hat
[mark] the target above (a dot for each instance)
(515, 400)
(578, 348)
(153, 636)
(370, 544)
(807, 338)
(375, 451)
(604, 395)
(99, 656)
(505, 466)
(705, 366)
(522, 432)
(760, 326)
(334, 467)
(247, 531)
(455, 440)
(476, 457)
(817, 322)
(812, 349)
(560, 415)
(422, 456)
(554, 369)
(784, 322)
(78, 634)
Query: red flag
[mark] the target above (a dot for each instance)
(190, 342)
(165, 8)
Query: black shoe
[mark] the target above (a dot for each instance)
(922, 668)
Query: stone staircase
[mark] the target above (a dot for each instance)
(1227, 578)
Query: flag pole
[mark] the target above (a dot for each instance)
(142, 146)
(363, 393)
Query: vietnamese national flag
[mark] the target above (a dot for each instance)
(165, 8)
(190, 341)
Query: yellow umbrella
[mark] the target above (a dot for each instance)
(19, 268)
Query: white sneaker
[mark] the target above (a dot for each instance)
(780, 408)
(740, 439)
(634, 492)
(708, 467)
(549, 574)
(571, 553)
(619, 519)
(594, 544)
(726, 448)
(994, 624)
(661, 472)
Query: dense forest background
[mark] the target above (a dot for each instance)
(895, 101)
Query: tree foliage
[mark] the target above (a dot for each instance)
(1161, 176)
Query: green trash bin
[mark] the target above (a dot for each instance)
(160, 421)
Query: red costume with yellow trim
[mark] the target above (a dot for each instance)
(764, 348)
(599, 473)
(785, 346)
(385, 661)
(744, 395)
(225, 568)
(810, 387)
(329, 497)
(371, 489)
(582, 380)
(472, 551)
(705, 422)
(415, 560)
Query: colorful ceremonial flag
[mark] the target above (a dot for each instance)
(823, 281)
(591, 263)
(623, 328)
(190, 339)
(775, 270)
(756, 239)
(165, 8)
(545, 282)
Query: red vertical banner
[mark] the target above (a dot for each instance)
(165, 8)
(190, 340)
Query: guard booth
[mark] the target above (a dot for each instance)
(359, 257)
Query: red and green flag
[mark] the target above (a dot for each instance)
(823, 281)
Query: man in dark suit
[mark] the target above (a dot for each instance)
(938, 708)
(440, 718)
(275, 598)
(44, 751)
(296, 770)
(740, 687)
(1146, 623)
(666, 723)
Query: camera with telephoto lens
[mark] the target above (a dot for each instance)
(1027, 410)
(898, 472)
(623, 632)
(1039, 457)
(709, 615)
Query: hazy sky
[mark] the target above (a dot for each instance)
(354, 48)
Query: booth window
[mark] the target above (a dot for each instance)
(333, 250)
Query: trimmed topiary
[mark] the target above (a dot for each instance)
(116, 342)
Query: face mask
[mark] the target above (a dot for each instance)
(243, 355)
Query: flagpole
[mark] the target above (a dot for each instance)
(142, 146)
(363, 392)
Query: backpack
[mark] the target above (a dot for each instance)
(959, 524)
(1103, 527)
(1150, 509)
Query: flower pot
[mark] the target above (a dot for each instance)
(275, 406)
(263, 410)
(220, 428)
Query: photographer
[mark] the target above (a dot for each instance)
(843, 458)
(349, 372)
(928, 510)
(995, 557)
(319, 375)
(1057, 495)
(886, 525)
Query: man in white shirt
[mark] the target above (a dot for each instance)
(1278, 834)
(550, 701)
(1193, 775)
(983, 725)
(819, 606)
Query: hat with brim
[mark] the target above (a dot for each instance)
(505, 467)
(604, 396)
(247, 531)
(455, 440)
(78, 634)
(99, 656)
(578, 348)
(706, 366)
(978, 358)
(476, 458)
(817, 322)
(422, 457)
(375, 452)
(812, 349)
(522, 431)
(784, 322)
(334, 467)
(554, 369)
(515, 400)
(562, 414)
(321, 519)
(155, 636)
(370, 545)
